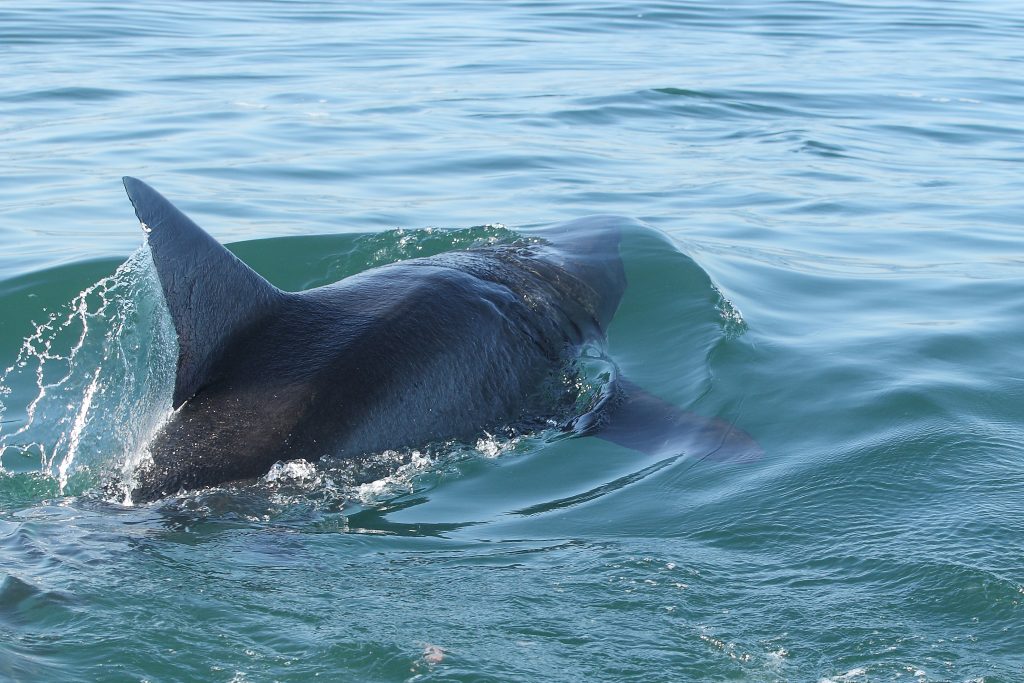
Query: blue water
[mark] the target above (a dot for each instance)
(840, 188)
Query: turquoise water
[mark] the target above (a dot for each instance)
(840, 188)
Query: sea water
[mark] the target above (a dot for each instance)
(839, 185)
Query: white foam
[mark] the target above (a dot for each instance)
(292, 471)
(850, 675)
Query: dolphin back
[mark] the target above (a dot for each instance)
(210, 293)
(426, 350)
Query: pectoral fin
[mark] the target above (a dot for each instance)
(640, 421)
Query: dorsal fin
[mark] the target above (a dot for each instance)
(210, 293)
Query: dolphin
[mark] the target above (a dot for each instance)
(425, 350)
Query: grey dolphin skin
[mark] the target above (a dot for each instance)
(420, 351)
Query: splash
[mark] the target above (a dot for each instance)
(401, 244)
(732, 322)
(90, 382)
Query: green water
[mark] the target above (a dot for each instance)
(838, 186)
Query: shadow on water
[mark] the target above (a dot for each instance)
(374, 521)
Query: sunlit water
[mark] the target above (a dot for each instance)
(840, 188)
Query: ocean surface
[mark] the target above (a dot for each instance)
(840, 189)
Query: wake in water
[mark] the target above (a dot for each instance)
(92, 383)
